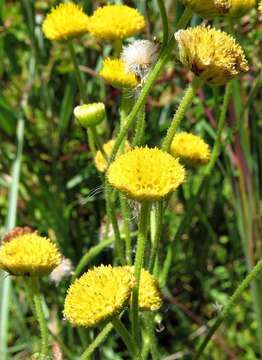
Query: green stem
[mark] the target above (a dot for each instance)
(208, 170)
(126, 217)
(93, 252)
(83, 95)
(131, 118)
(149, 326)
(97, 342)
(98, 142)
(184, 19)
(226, 311)
(221, 123)
(180, 113)
(140, 128)
(164, 18)
(156, 239)
(79, 79)
(152, 76)
(126, 337)
(91, 142)
(34, 285)
(141, 241)
(5, 283)
(119, 245)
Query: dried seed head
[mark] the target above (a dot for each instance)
(139, 56)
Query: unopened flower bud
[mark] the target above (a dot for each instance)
(90, 114)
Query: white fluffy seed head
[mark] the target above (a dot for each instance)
(140, 56)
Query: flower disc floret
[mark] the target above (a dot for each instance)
(29, 255)
(100, 161)
(211, 53)
(115, 22)
(65, 21)
(190, 149)
(209, 9)
(98, 294)
(146, 174)
(114, 72)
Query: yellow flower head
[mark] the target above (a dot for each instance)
(29, 255)
(241, 7)
(209, 9)
(260, 7)
(65, 21)
(190, 149)
(149, 298)
(100, 161)
(146, 174)
(114, 72)
(115, 22)
(98, 294)
(211, 53)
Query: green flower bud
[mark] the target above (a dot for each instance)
(90, 114)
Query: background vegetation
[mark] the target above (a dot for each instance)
(59, 190)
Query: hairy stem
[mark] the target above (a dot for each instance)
(126, 337)
(226, 311)
(141, 241)
(164, 18)
(180, 113)
(97, 342)
(34, 285)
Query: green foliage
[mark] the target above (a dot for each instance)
(61, 193)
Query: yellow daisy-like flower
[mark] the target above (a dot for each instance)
(149, 298)
(115, 73)
(98, 294)
(241, 7)
(190, 149)
(209, 9)
(115, 22)
(146, 174)
(65, 22)
(211, 53)
(29, 255)
(100, 161)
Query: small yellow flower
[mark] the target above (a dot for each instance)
(146, 174)
(211, 53)
(29, 255)
(115, 22)
(241, 7)
(149, 298)
(115, 73)
(98, 294)
(100, 161)
(65, 22)
(190, 149)
(260, 7)
(209, 9)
